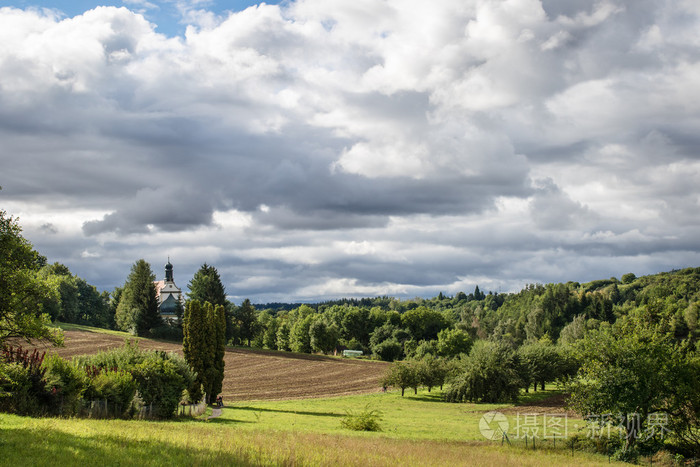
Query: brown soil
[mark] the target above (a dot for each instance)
(257, 374)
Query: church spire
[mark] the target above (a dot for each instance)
(169, 272)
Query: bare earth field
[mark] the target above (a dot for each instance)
(257, 374)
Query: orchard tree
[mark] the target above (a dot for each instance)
(21, 292)
(137, 311)
(432, 371)
(630, 374)
(488, 374)
(402, 375)
(540, 362)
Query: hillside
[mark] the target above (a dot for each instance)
(254, 374)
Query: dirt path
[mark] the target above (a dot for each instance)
(258, 374)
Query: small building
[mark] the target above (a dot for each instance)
(168, 294)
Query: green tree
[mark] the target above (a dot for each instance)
(216, 320)
(630, 374)
(137, 311)
(203, 344)
(424, 323)
(21, 292)
(247, 320)
(324, 336)
(488, 374)
(539, 362)
(270, 335)
(283, 333)
(452, 342)
(356, 324)
(388, 350)
(194, 345)
(300, 336)
(206, 286)
(402, 375)
(432, 371)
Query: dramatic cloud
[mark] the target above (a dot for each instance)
(322, 148)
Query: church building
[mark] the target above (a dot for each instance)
(169, 296)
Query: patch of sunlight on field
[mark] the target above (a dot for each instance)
(423, 416)
(80, 327)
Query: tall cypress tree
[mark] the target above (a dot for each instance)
(137, 311)
(204, 331)
(193, 330)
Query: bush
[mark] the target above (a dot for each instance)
(160, 378)
(160, 383)
(116, 388)
(366, 420)
(67, 383)
(22, 382)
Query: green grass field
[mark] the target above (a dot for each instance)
(418, 430)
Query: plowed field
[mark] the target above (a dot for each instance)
(258, 374)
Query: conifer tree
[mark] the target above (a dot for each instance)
(204, 340)
(137, 311)
(206, 286)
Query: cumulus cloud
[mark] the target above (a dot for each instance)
(408, 147)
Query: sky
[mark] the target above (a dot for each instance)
(319, 149)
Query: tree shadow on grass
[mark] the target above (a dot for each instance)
(43, 446)
(430, 397)
(296, 412)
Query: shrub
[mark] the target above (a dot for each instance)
(116, 388)
(366, 420)
(159, 383)
(67, 382)
(22, 382)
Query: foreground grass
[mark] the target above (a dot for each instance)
(27, 441)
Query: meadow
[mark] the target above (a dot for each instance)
(417, 429)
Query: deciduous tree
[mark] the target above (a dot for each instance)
(21, 292)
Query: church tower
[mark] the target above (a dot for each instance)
(168, 294)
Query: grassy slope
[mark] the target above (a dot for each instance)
(418, 430)
(27, 441)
